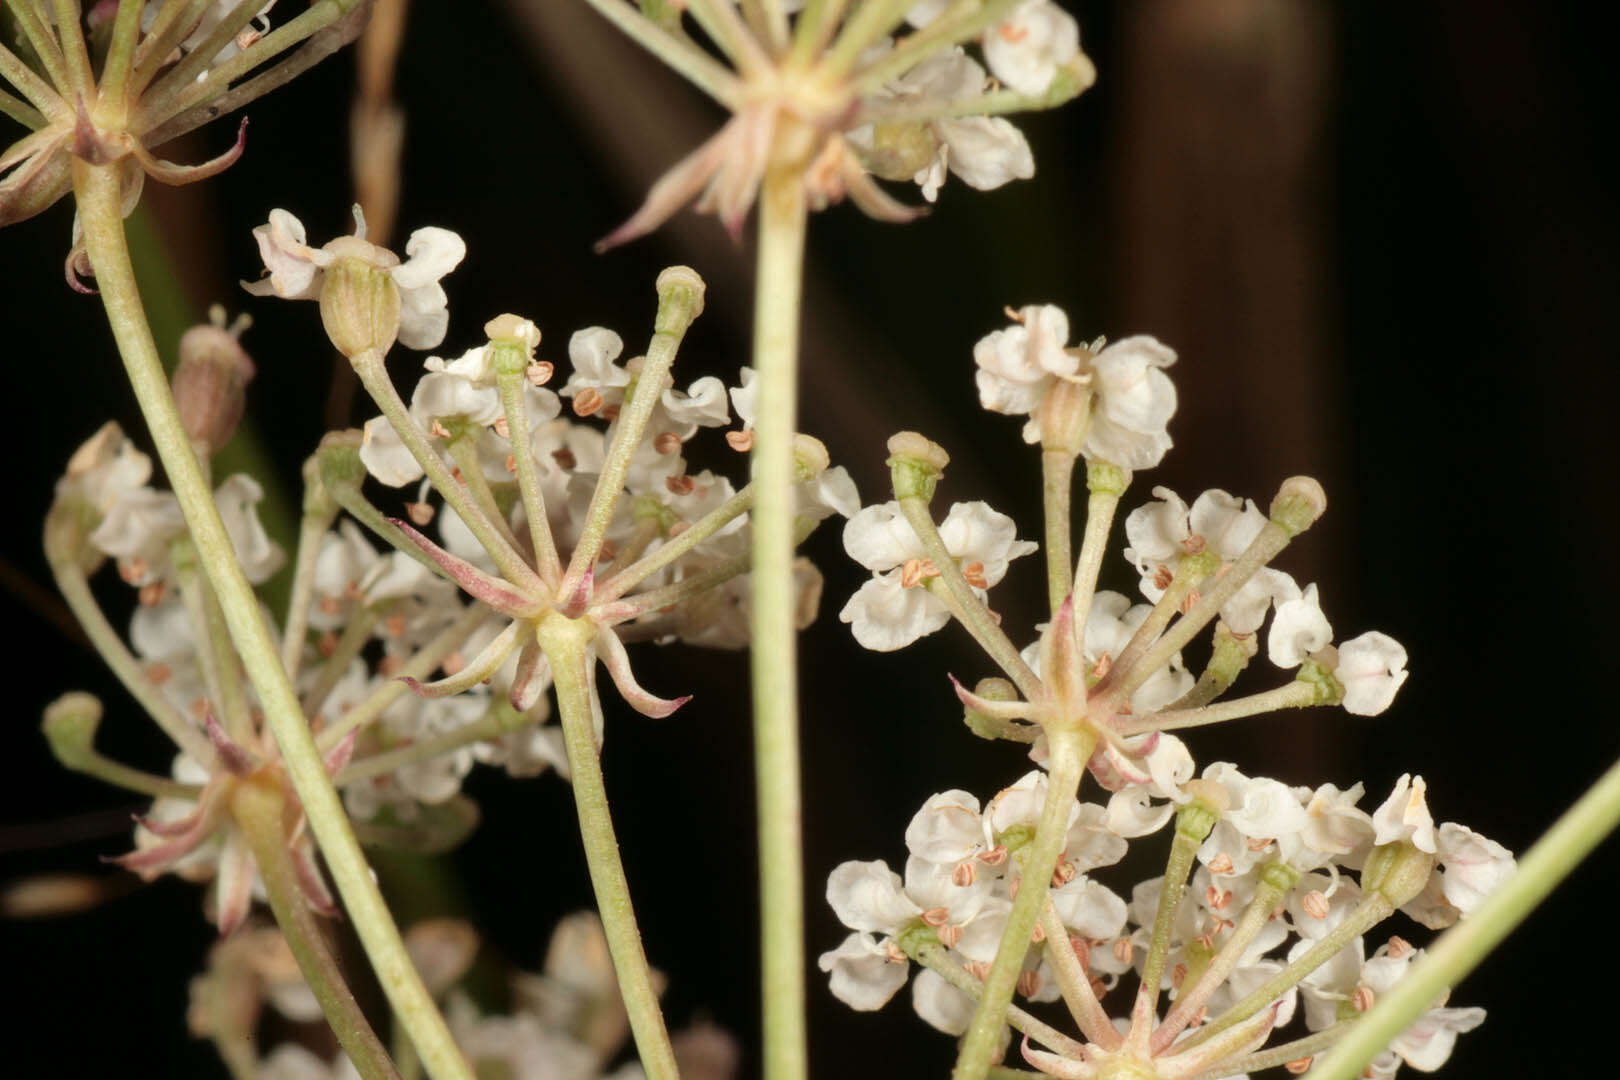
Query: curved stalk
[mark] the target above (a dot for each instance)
(259, 810)
(566, 643)
(97, 191)
(1057, 477)
(1462, 947)
(778, 283)
(511, 386)
(311, 531)
(935, 958)
(1074, 983)
(1070, 750)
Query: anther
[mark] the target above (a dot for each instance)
(420, 513)
(588, 402)
(1122, 950)
(152, 595)
(1315, 904)
(964, 874)
(564, 458)
(1221, 864)
(936, 917)
(667, 442)
(740, 441)
(949, 936)
(680, 485)
(1029, 983)
(1362, 999)
(502, 428)
(1298, 1066)
(539, 373)
(973, 574)
(438, 430)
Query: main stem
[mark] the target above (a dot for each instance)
(97, 191)
(566, 643)
(777, 286)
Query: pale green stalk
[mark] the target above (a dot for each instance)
(680, 299)
(1230, 656)
(871, 22)
(1074, 983)
(99, 197)
(109, 645)
(566, 643)
(356, 636)
(704, 527)
(721, 572)
(1190, 572)
(1070, 749)
(464, 452)
(935, 958)
(368, 515)
(1461, 948)
(311, 532)
(418, 667)
(374, 377)
(43, 42)
(174, 21)
(948, 28)
(699, 68)
(1265, 547)
(1373, 909)
(491, 726)
(969, 610)
(1295, 695)
(201, 57)
(1057, 478)
(773, 13)
(15, 107)
(115, 71)
(218, 660)
(511, 385)
(260, 812)
(778, 284)
(1183, 850)
(92, 762)
(75, 54)
(1281, 1054)
(648, 528)
(1275, 881)
(817, 21)
(720, 21)
(1105, 484)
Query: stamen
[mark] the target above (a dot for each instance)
(1363, 999)
(1221, 864)
(1315, 904)
(420, 513)
(564, 458)
(973, 574)
(936, 917)
(680, 485)
(502, 428)
(588, 402)
(539, 373)
(152, 595)
(1029, 983)
(740, 441)
(1298, 1066)
(949, 936)
(964, 874)
(667, 442)
(438, 430)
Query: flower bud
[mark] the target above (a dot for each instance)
(210, 381)
(512, 341)
(810, 457)
(1299, 502)
(916, 464)
(359, 300)
(991, 689)
(680, 299)
(70, 727)
(339, 462)
(901, 151)
(1399, 871)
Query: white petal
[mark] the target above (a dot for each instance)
(869, 896)
(864, 977)
(1371, 668)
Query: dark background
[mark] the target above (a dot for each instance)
(1383, 241)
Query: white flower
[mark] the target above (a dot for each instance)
(869, 896)
(592, 353)
(1134, 402)
(1371, 668)
(1298, 630)
(1405, 817)
(238, 500)
(295, 271)
(1017, 365)
(947, 829)
(865, 974)
(941, 1006)
(1026, 49)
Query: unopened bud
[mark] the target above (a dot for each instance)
(210, 381)
(992, 689)
(1399, 871)
(915, 464)
(1105, 479)
(810, 458)
(1299, 502)
(680, 299)
(512, 341)
(901, 151)
(359, 300)
(70, 727)
(339, 460)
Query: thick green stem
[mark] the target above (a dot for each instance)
(97, 189)
(1070, 750)
(778, 284)
(1462, 947)
(1057, 478)
(566, 643)
(259, 811)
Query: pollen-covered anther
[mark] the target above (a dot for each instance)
(564, 458)
(973, 573)
(1398, 948)
(1037, 934)
(1104, 664)
(680, 485)
(1122, 950)
(1082, 951)
(1063, 873)
(1029, 983)
(327, 645)
(588, 402)
(1194, 544)
(1221, 864)
(1217, 898)
(610, 412)
(1178, 975)
(1259, 843)
(949, 936)
(159, 673)
(964, 874)
(511, 464)
(420, 513)
(152, 595)
(502, 428)
(132, 570)
(936, 917)
(1012, 33)
(1012, 313)
(993, 856)
(915, 571)
(1162, 577)
(1315, 904)
(1363, 999)
(438, 430)
(978, 969)
(453, 663)
(539, 373)
(1298, 1066)
(667, 442)
(740, 441)
(1189, 601)
(893, 954)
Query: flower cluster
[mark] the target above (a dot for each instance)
(1100, 690)
(1270, 918)
(838, 96)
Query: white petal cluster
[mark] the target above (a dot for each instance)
(1470, 866)
(894, 609)
(1132, 398)
(295, 271)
